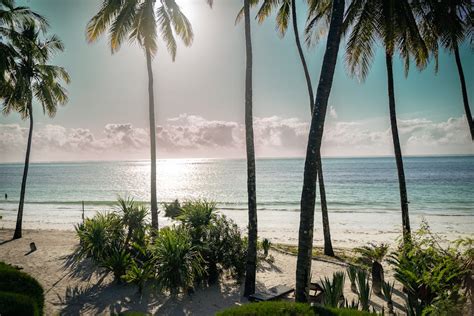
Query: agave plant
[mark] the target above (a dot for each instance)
(133, 217)
(363, 289)
(387, 290)
(178, 263)
(334, 290)
(352, 274)
(266, 247)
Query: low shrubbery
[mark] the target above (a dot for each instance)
(288, 309)
(20, 294)
(198, 249)
(436, 280)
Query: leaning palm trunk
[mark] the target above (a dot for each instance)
(19, 219)
(308, 195)
(151, 109)
(328, 251)
(464, 92)
(251, 266)
(397, 148)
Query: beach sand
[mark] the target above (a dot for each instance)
(90, 294)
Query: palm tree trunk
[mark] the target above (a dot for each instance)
(465, 99)
(19, 219)
(251, 266)
(151, 109)
(308, 195)
(328, 251)
(397, 148)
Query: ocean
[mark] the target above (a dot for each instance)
(439, 188)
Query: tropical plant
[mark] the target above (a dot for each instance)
(29, 77)
(363, 289)
(178, 263)
(352, 274)
(333, 290)
(387, 290)
(432, 277)
(133, 218)
(317, 10)
(173, 209)
(141, 268)
(266, 247)
(449, 22)
(139, 21)
(305, 240)
(394, 24)
(372, 256)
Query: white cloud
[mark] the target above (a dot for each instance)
(195, 136)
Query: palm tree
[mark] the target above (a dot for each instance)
(451, 23)
(308, 195)
(29, 77)
(287, 7)
(137, 20)
(394, 24)
(251, 266)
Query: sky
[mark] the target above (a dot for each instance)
(200, 97)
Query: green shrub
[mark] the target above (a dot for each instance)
(433, 277)
(178, 263)
(173, 209)
(14, 281)
(287, 309)
(13, 304)
(133, 217)
(266, 247)
(363, 289)
(269, 309)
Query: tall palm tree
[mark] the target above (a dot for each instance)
(30, 77)
(285, 8)
(394, 24)
(139, 20)
(308, 195)
(451, 22)
(251, 266)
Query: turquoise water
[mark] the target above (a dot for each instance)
(435, 184)
(362, 193)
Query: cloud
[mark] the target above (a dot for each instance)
(195, 136)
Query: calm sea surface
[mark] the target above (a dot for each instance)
(441, 186)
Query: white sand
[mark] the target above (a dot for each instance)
(72, 295)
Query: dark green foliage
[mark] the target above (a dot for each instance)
(269, 309)
(371, 253)
(13, 304)
(173, 209)
(433, 277)
(387, 290)
(352, 274)
(266, 247)
(363, 289)
(178, 263)
(329, 311)
(333, 290)
(14, 281)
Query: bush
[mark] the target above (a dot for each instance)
(178, 262)
(13, 304)
(269, 309)
(173, 209)
(434, 278)
(288, 309)
(17, 282)
(333, 290)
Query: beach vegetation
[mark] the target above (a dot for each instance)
(387, 290)
(333, 290)
(371, 256)
(173, 209)
(437, 280)
(20, 293)
(266, 244)
(363, 289)
(352, 274)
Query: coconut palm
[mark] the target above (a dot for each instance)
(29, 77)
(140, 21)
(451, 22)
(308, 196)
(317, 10)
(394, 24)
